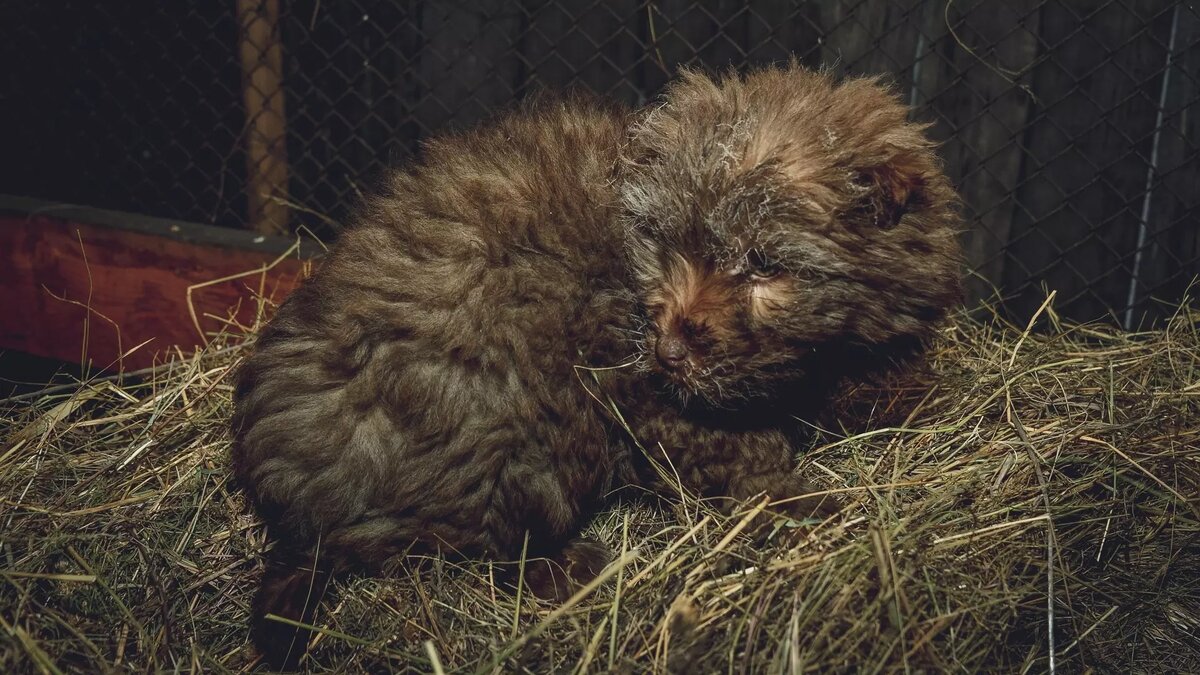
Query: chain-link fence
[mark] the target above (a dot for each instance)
(1071, 128)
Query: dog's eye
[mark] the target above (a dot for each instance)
(760, 267)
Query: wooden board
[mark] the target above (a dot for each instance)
(88, 286)
(1086, 157)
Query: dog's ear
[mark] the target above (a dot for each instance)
(883, 193)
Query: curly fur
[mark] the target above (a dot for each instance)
(423, 391)
(826, 181)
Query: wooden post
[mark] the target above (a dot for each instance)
(261, 50)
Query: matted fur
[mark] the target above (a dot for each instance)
(419, 390)
(829, 183)
(424, 389)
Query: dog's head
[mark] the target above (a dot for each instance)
(774, 215)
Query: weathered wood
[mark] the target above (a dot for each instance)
(851, 33)
(1086, 156)
(260, 49)
(469, 65)
(1171, 248)
(585, 44)
(977, 98)
(712, 35)
(780, 31)
(89, 292)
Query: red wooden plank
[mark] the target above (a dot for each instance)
(53, 269)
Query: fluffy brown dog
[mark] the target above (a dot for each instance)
(782, 232)
(739, 247)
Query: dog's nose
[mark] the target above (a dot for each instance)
(671, 351)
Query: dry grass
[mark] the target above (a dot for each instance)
(1032, 493)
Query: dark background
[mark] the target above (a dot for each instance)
(1069, 127)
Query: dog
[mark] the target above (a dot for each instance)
(711, 265)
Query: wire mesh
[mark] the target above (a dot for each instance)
(1069, 128)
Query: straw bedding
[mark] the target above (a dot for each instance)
(1029, 495)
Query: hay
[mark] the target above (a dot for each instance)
(1026, 477)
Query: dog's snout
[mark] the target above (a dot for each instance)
(671, 351)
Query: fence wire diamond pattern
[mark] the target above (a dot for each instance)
(1070, 128)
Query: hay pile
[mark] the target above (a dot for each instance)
(1032, 489)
